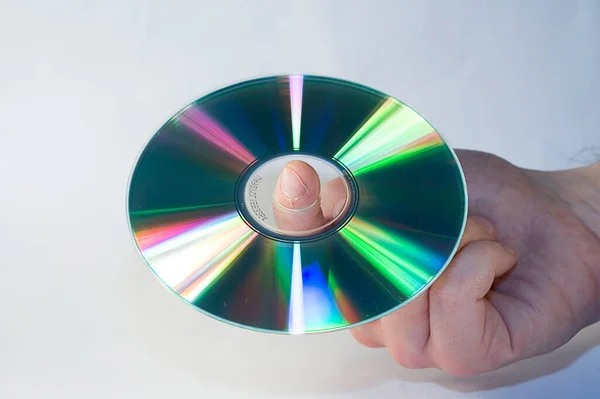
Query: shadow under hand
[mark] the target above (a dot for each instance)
(529, 369)
(217, 353)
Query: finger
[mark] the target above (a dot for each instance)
(406, 333)
(477, 229)
(297, 206)
(472, 271)
(369, 335)
(463, 324)
(334, 198)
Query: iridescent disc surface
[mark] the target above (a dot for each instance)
(403, 225)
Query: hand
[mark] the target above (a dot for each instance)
(489, 309)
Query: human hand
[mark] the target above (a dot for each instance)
(482, 313)
(488, 309)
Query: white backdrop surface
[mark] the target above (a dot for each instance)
(83, 85)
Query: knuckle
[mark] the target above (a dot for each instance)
(481, 284)
(408, 360)
(485, 226)
(445, 296)
(365, 339)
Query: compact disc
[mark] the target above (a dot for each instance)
(202, 215)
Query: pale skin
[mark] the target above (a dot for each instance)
(525, 280)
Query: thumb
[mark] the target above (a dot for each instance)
(296, 205)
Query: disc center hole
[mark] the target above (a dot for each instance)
(296, 195)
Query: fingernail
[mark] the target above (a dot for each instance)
(337, 209)
(487, 226)
(291, 185)
(509, 249)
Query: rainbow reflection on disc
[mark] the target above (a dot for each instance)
(193, 219)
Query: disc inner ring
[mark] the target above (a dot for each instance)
(254, 196)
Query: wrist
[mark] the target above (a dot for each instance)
(580, 189)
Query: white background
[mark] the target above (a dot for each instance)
(84, 84)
